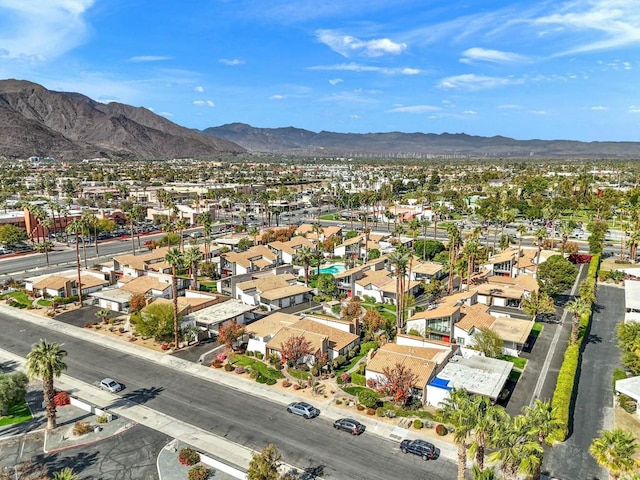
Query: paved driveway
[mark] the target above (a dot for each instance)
(594, 401)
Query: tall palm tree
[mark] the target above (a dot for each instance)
(486, 418)
(399, 259)
(540, 234)
(192, 258)
(92, 224)
(541, 423)
(614, 451)
(470, 250)
(45, 361)
(457, 410)
(565, 229)
(44, 247)
(521, 230)
(578, 306)
(176, 260)
(254, 232)
(181, 226)
(454, 243)
(515, 452)
(304, 256)
(76, 227)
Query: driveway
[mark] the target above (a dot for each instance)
(594, 401)
(79, 317)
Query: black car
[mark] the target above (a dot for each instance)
(350, 425)
(422, 448)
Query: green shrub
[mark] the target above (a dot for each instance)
(417, 424)
(379, 412)
(271, 381)
(104, 418)
(259, 355)
(358, 379)
(188, 456)
(261, 379)
(228, 367)
(199, 472)
(368, 398)
(627, 403)
(441, 430)
(366, 347)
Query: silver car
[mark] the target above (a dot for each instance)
(110, 385)
(303, 409)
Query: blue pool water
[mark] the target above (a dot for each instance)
(333, 269)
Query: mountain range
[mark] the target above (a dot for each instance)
(35, 121)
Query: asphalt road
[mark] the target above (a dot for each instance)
(237, 416)
(594, 402)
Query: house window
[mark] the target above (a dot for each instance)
(460, 340)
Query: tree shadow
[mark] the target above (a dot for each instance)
(138, 397)
(594, 338)
(9, 366)
(78, 462)
(309, 473)
(598, 308)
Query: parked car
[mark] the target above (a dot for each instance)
(349, 425)
(110, 385)
(422, 448)
(303, 409)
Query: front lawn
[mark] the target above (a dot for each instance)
(537, 329)
(399, 411)
(19, 413)
(257, 365)
(299, 374)
(348, 366)
(21, 300)
(45, 303)
(518, 362)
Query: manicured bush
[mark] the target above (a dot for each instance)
(371, 411)
(417, 424)
(296, 386)
(228, 367)
(366, 347)
(250, 353)
(61, 399)
(368, 398)
(259, 355)
(618, 374)
(441, 430)
(379, 412)
(338, 402)
(188, 456)
(261, 379)
(216, 364)
(81, 428)
(286, 383)
(239, 370)
(358, 379)
(104, 418)
(345, 377)
(222, 357)
(199, 472)
(271, 381)
(360, 407)
(627, 403)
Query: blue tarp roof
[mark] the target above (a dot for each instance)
(440, 383)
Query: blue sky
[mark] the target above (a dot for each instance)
(522, 68)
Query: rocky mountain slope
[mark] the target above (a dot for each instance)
(35, 121)
(396, 144)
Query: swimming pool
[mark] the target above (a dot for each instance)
(333, 269)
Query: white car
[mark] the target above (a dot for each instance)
(110, 385)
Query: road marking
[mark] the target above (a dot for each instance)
(552, 347)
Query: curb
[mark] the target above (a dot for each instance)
(83, 444)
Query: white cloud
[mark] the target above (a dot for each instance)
(166, 114)
(414, 109)
(232, 62)
(509, 107)
(356, 67)
(471, 81)
(598, 107)
(633, 109)
(204, 103)
(199, 89)
(41, 30)
(537, 112)
(494, 56)
(347, 45)
(335, 81)
(470, 112)
(277, 97)
(148, 58)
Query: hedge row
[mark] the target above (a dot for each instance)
(565, 385)
(358, 379)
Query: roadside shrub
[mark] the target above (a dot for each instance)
(627, 403)
(358, 379)
(360, 407)
(259, 355)
(216, 364)
(417, 424)
(618, 374)
(228, 367)
(250, 353)
(104, 418)
(61, 399)
(222, 357)
(81, 428)
(261, 379)
(188, 456)
(338, 402)
(379, 412)
(199, 472)
(286, 383)
(441, 430)
(271, 381)
(254, 373)
(371, 411)
(368, 398)
(239, 370)
(296, 386)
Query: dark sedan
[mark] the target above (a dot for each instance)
(350, 425)
(422, 448)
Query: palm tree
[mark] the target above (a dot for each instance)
(578, 306)
(181, 226)
(304, 255)
(45, 361)
(520, 230)
(176, 260)
(254, 232)
(487, 417)
(538, 303)
(399, 258)
(540, 235)
(454, 242)
(483, 474)
(457, 409)
(614, 450)
(192, 258)
(45, 247)
(76, 227)
(516, 453)
(541, 423)
(565, 230)
(470, 250)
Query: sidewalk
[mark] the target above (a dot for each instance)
(201, 440)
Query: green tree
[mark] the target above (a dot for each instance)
(326, 285)
(76, 227)
(192, 259)
(537, 303)
(13, 388)
(244, 244)
(483, 474)
(264, 465)
(614, 450)
(176, 260)
(556, 275)
(487, 342)
(515, 451)
(45, 361)
(457, 409)
(44, 247)
(427, 249)
(12, 235)
(374, 253)
(399, 259)
(304, 255)
(155, 320)
(578, 307)
(486, 418)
